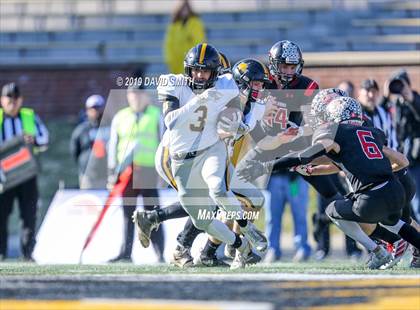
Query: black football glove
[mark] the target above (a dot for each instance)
(253, 169)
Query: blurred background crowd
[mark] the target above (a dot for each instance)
(59, 61)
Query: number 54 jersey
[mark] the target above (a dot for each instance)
(360, 156)
(191, 119)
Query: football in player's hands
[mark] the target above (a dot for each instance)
(228, 122)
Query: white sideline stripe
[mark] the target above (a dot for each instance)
(223, 305)
(214, 277)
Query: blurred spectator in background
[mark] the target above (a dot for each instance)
(185, 30)
(374, 112)
(405, 102)
(135, 132)
(17, 121)
(348, 87)
(287, 188)
(88, 145)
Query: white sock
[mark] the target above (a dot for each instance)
(394, 228)
(354, 231)
(220, 231)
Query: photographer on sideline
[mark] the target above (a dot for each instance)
(398, 95)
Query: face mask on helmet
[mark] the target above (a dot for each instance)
(285, 61)
(201, 82)
(249, 91)
(250, 76)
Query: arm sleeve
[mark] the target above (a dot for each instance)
(212, 98)
(181, 115)
(301, 158)
(112, 146)
(325, 132)
(258, 133)
(42, 136)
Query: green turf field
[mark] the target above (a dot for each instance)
(327, 267)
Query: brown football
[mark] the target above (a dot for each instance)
(230, 113)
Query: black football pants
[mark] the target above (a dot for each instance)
(27, 197)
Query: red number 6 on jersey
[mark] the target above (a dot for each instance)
(370, 148)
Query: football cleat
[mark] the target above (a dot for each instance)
(397, 250)
(229, 251)
(257, 239)
(144, 226)
(182, 257)
(252, 258)
(378, 257)
(241, 255)
(415, 261)
(209, 261)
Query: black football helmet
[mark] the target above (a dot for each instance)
(206, 57)
(285, 52)
(225, 64)
(247, 70)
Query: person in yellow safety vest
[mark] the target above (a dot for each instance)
(18, 121)
(134, 139)
(185, 30)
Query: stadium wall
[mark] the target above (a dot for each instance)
(61, 92)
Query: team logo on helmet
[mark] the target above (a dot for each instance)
(290, 53)
(343, 109)
(247, 71)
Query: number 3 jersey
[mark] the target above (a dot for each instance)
(360, 156)
(191, 119)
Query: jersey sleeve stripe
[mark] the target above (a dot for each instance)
(310, 89)
(169, 103)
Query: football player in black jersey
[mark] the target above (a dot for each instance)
(394, 244)
(294, 90)
(378, 197)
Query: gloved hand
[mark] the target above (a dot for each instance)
(253, 169)
(229, 126)
(305, 170)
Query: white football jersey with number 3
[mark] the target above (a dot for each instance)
(192, 126)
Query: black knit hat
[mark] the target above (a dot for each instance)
(10, 90)
(369, 84)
